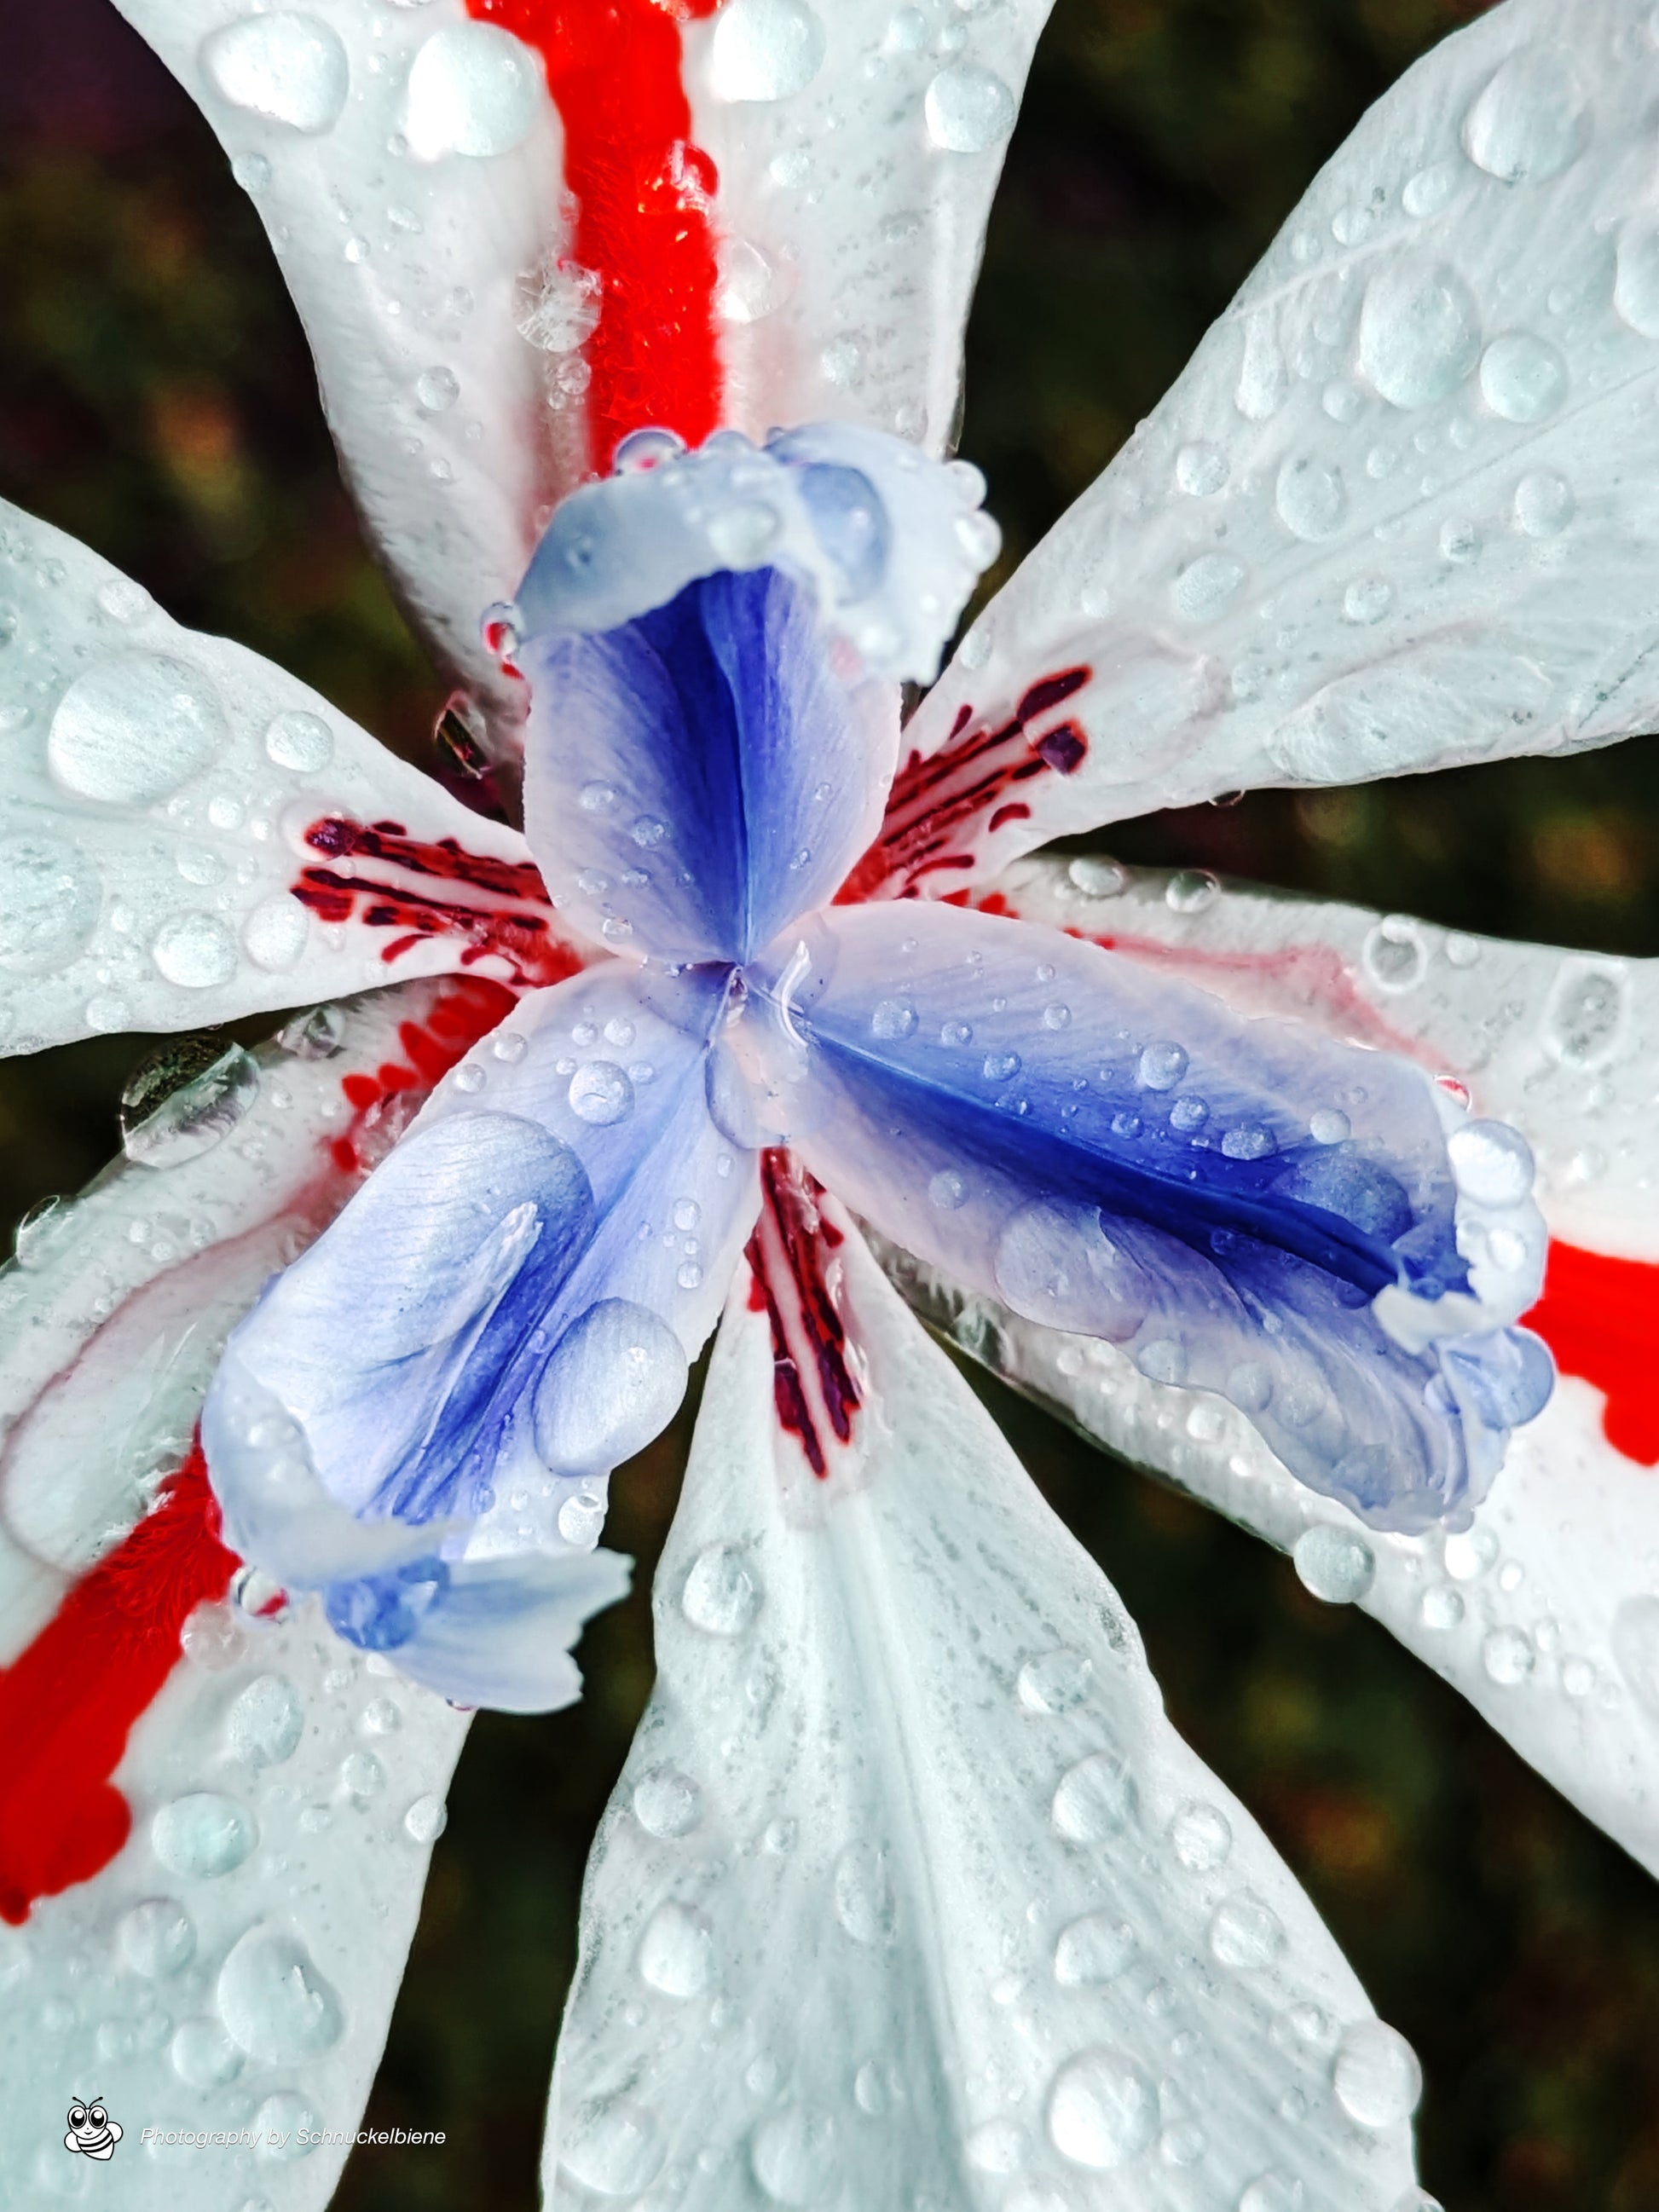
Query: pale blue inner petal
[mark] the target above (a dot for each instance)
(1112, 1151)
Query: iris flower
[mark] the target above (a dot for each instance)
(770, 1025)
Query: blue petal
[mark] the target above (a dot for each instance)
(1246, 1205)
(698, 777)
(503, 1313)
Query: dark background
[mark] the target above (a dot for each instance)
(156, 400)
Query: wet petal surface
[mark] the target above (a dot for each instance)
(1243, 1205)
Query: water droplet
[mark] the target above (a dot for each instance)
(1312, 499)
(1334, 1565)
(580, 1519)
(1271, 2192)
(1201, 1837)
(362, 1778)
(1395, 955)
(869, 2091)
(299, 741)
(1441, 1607)
(721, 1595)
(676, 1951)
(133, 728)
(969, 109)
(49, 901)
(1377, 2078)
(1367, 599)
(1529, 123)
(1190, 890)
(1103, 2109)
(472, 89)
(195, 950)
(264, 1725)
(1160, 1067)
(946, 1190)
(1522, 378)
(1245, 1933)
(203, 1834)
(121, 601)
(1491, 1162)
(157, 1938)
(614, 2146)
(666, 1803)
(276, 932)
(1093, 1949)
(182, 1100)
(291, 70)
(610, 1385)
(1544, 504)
(893, 1020)
(1056, 1682)
(740, 536)
(1096, 878)
(203, 2055)
(600, 1093)
(1507, 1655)
(1094, 1799)
(796, 2156)
(1419, 333)
(1469, 1553)
(864, 1896)
(1636, 282)
(764, 49)
(1200, 471)
(1427, 190)
(1204, 586)
(272, 2000)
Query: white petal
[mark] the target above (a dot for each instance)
(1541, 1612)
(282, 1795)
(1400, 510)
(857, 164)
(406, 162)
(908, 1892)
(161, 863)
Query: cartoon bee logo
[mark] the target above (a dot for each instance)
(92, 2130)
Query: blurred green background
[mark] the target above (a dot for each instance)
(156, 400)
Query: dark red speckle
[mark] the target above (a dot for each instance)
(813, 1387)
(938, 803)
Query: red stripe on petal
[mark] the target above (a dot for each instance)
(797, 1282)
(71, 1698)
(1601, 1319)
(645, 195)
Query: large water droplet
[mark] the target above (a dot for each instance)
(1377, 2078)
(614, 2146)
(273, 2001)
(863, 1895)
(1491, 1163)
(764, 49)
(1311, 499)
(1636, 282)
(195, 950)
(183, 1100)
(969, 109)
(49, 901)
(133, 728)
(676, 1951)
(1103, 2109)
(426, 1820)
(1246, 1932)
(203, 1834)
(1206, 585)
(1508, 1656)
(1529, 122)
(264, 1725)
(290, 68)
(893, 1020)
(601, 1094)
(1544, 504)
(1335, 1564)
(721, 1595)
(1094, 1799)
(156, 1938)
(667, 1803)
(1093, 1949)
(472, 89)
(796, 2156)
(1419, 333)
(611, 1384)
(1522, 378)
